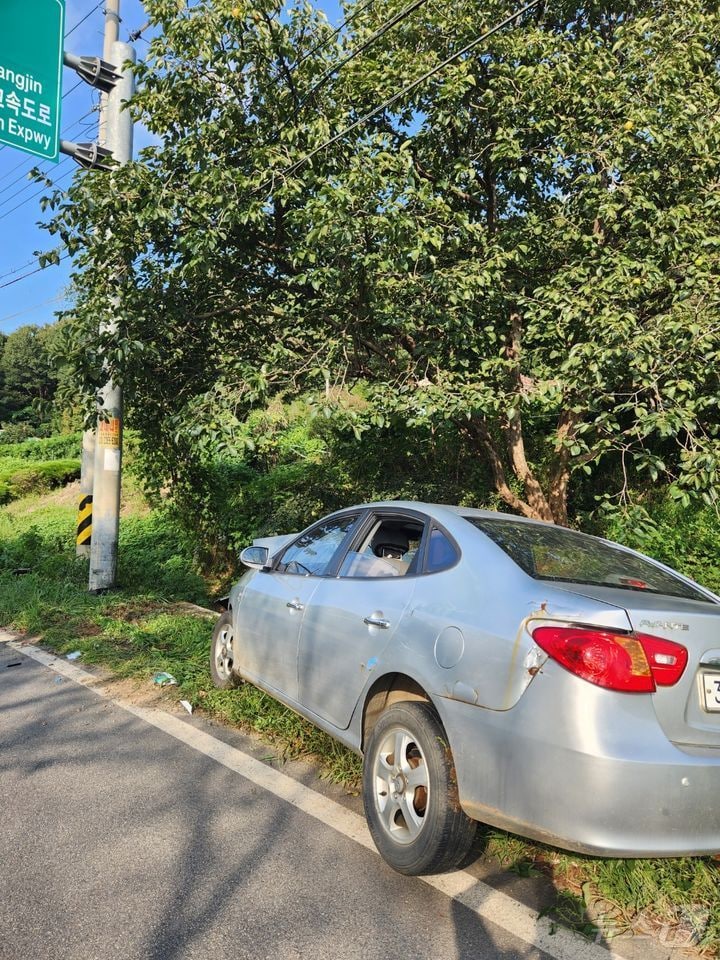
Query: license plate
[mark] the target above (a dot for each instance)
(711, 691)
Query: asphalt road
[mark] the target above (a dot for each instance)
(119, 841)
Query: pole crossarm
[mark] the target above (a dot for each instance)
(93, 70)
(88, 155)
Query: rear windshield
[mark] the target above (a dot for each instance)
(554, 553)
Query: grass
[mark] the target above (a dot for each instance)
(138, 630)
(678, 898)
(142, 629)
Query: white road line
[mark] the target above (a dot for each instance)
(485, 901)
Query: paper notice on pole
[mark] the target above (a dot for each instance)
(108, 432)
(112, 460)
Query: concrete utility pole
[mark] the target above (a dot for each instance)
(108, 443)
(110, 37)
(87, 463)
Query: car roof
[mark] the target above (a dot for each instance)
(440, 510)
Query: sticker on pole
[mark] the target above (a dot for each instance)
(31, 62)
(108, 432)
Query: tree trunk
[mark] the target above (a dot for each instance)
(535, 503)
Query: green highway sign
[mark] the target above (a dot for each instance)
(31, 62)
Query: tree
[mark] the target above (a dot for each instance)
(28, 374)
(524, 245)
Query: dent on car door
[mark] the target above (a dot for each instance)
(275, 601)
(353, 616)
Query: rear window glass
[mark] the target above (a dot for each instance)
(555, 553)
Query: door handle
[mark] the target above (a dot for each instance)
(295, 605)
(375, 621)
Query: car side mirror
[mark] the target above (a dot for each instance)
(254, 557)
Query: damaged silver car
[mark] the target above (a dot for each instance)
(494, 669)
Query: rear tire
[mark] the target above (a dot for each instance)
(410, 792)
(222, 654)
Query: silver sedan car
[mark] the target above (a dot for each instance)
(492, 669)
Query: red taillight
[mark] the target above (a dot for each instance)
(633, 662)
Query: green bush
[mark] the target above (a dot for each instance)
(154, 558)
(46, 448)
(685, 538)
(17, 481)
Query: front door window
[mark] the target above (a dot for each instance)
(310, 554)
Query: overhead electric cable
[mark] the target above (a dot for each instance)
(40, 192)
(22, 313)
(376, 35)
(11, 273)
(73, 88)
(411, 86)
(30, 273)
(29, 185)
(380, 32)
(87, 16)
(138, 34)
(331, 36)
(25, 173)
(9, 173)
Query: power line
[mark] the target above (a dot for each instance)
(331, 36)
(80, 22)
(30, 185)
(138, 34)
(22, 313)
(36, 195)
(10, 172)
(11, 273)
(30, 273)
(376, 35)
(25, 173)
(411, 86)
(380, 32)
(74, 87)
(22, 176)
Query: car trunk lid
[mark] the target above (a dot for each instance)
(688, 711)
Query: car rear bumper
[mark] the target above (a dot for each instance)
(586, 769)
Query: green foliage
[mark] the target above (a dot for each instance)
(18, 479)
(685, 538)
(28, 376)
(13, 433)
(681, 891)
(524, 248)
(63, 447)
(156, 559)
(293, 464)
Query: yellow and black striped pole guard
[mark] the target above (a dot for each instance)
(84, 521)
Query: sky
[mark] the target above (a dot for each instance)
(36, 298)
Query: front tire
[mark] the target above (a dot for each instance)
(222, 653)
(410, 793)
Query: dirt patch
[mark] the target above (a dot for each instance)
(139, 692)
(137, 612)
(86, 628)
(193, 610)
(67, 496)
